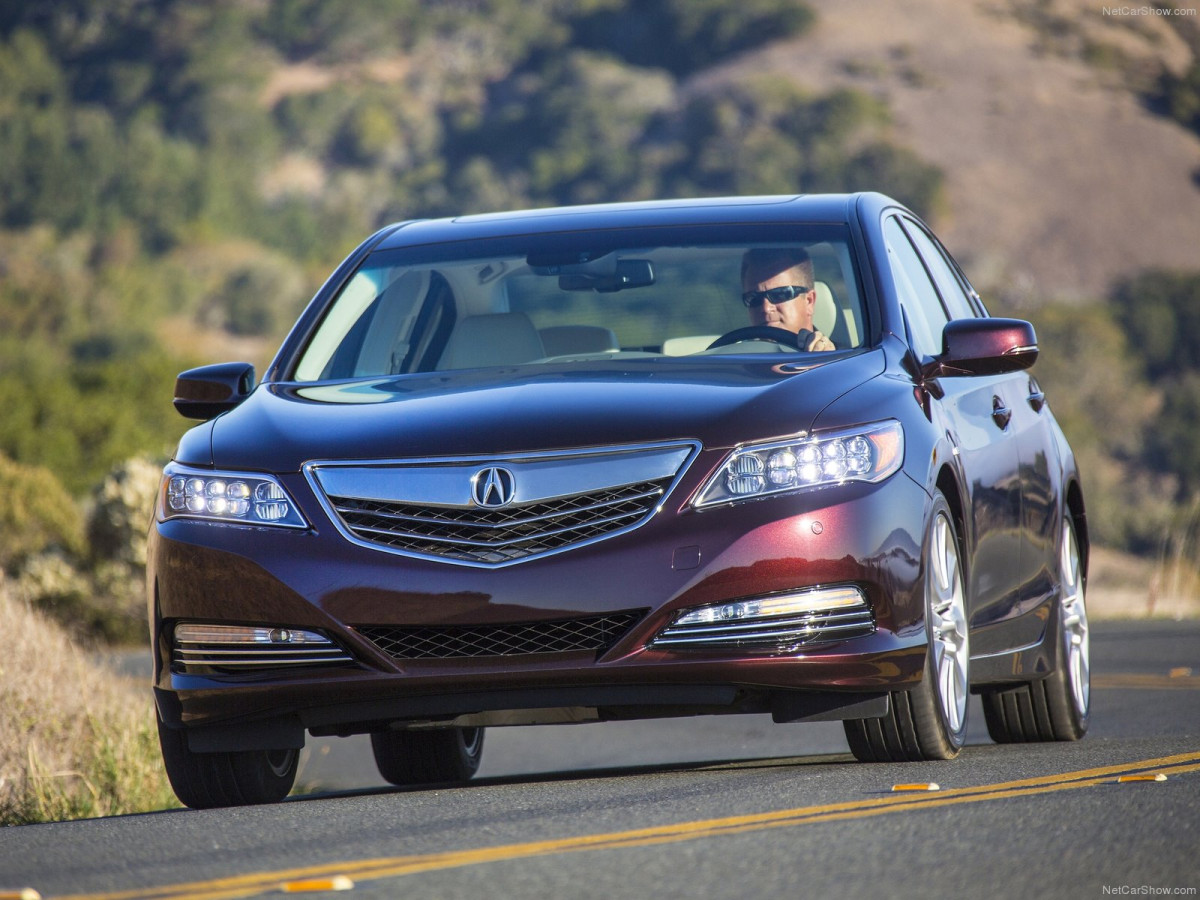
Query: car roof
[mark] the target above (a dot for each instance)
(808, 208)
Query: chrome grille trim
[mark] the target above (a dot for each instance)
(396, 537)
(434, 520)
(239, 658)
(594, 633)
(779, 634)
(562, 500)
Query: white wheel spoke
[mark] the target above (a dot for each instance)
(948, 623)
(1075, 624)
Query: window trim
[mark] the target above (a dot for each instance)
(898, 217)
(909, 225)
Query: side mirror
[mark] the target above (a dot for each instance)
(211, 390)
(984, 347)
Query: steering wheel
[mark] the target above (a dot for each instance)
(800, 340)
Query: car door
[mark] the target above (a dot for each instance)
(976, 413)
(1031, 426)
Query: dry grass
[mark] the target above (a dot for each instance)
(76, 741)
(1129, 587)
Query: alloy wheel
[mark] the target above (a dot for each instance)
(1075, 624)
(948, 640)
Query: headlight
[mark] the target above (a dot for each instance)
(868, 453)
(226, 497)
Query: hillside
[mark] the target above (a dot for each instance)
(1058, 177)
(178, 179)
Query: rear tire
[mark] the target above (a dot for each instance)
(233, 778)
(929, 721)
(1058, 707)
(446, 755)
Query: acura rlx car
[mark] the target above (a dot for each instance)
(749, 455)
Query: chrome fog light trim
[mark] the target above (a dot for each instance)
(240, 647)
(773, 622)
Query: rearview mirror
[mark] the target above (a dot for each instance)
(984, 347)
(211, 390)
(629, 273)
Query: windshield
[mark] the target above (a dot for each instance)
(581, 298)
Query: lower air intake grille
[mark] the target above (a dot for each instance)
(596, 633)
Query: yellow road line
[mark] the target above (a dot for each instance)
(392, 867)
(1147, 682)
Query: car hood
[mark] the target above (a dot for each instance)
(487, 412)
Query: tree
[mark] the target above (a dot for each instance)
(1160, 310)
(1175, 439)
(684, 36)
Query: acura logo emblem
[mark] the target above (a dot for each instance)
(493, 487)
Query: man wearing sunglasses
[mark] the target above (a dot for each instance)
(777, 289)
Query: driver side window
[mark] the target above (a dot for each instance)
(918, 296)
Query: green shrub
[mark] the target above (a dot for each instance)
(1160, 310)
(766, 135)
(684, 36)
(37, 515)
(1180, 95)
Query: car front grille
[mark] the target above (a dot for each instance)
(492, 536)
(544, 503)
(595, 633)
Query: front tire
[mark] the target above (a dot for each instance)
(445, 755)
(930, 721)
(233, 778)
(1058, 707)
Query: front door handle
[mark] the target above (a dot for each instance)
(1037, 397)
(1001, 414)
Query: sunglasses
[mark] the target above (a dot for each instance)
(775, 295)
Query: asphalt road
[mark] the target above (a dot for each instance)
(705, 808)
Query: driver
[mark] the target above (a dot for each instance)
(777, 288)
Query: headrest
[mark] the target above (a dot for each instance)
(565, 340)
(825, 310)
(499, 339)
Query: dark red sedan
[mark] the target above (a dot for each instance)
(745, 455)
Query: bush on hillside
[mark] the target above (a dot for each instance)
(85, 567)
(36, 516)
(684, 36)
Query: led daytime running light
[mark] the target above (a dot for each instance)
(227, 497)
(186, 633)
(769, 607)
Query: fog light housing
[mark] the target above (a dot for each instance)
(780, 623)
(773, 606)
(201, 647)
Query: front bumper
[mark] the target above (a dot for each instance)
(866, 536)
